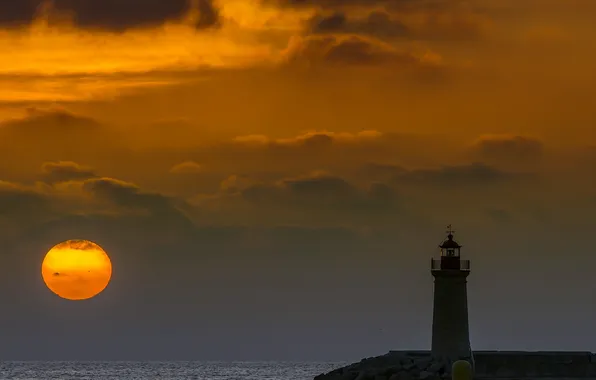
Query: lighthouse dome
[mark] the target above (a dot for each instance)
(450, 243)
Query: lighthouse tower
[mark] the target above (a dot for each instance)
(450, 332)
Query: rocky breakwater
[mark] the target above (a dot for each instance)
(393, 366)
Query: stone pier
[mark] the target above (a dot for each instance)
(489, 365)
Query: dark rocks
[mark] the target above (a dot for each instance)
(393, 366)
(420, 365)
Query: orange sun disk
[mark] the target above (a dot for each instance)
(76, 269)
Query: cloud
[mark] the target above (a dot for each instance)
(309, 140)
(408, 20)
(336, 152)
(394, 5)
(18, 200)
(108, 65)
(44, 122)
(188, 167)
(77, 244)
(73, 189)
(318, 198)
(21, 207)
(382, 171)
(376, 24)
(456, 175)
(52, 128)
(63, 171)
(110, 60)
(16, 13)
(110, 14)
(367, 155)
(510, 148)
(317, 190)
(88, 209)
(352, 50)
(332, 3)
(322, 177)
(54, 135)
(396, 27)
(370, 195)
(235, 184)
(127, 195)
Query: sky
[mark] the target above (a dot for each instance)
(270, 178)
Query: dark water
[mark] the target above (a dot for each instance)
(163, 370)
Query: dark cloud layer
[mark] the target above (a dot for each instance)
(126, 195)
(111, 14)
(313, 247)
(420, 20)
(17, 200)
(377, 23)
(383, 24)
(17, 12)
(460, 175)
(65, 171)
(509, 148)
(43, 123)
(352, 50)
(391, 4)
(323, 193)
(50, 135)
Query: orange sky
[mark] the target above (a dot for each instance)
(484, 67)
(277, 91)
(221, 127)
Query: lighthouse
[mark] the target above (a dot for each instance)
(450, 330)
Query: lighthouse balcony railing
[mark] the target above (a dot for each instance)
(441, 264)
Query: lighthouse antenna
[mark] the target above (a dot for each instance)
(449, 230)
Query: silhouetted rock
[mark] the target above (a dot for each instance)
(420, 365)
(392, 366)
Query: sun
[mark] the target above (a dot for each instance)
(76, 269)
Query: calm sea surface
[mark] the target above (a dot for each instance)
(163, 370)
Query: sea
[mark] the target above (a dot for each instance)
(164, 370)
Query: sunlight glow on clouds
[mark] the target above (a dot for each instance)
(53, 60)
(46, 50)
